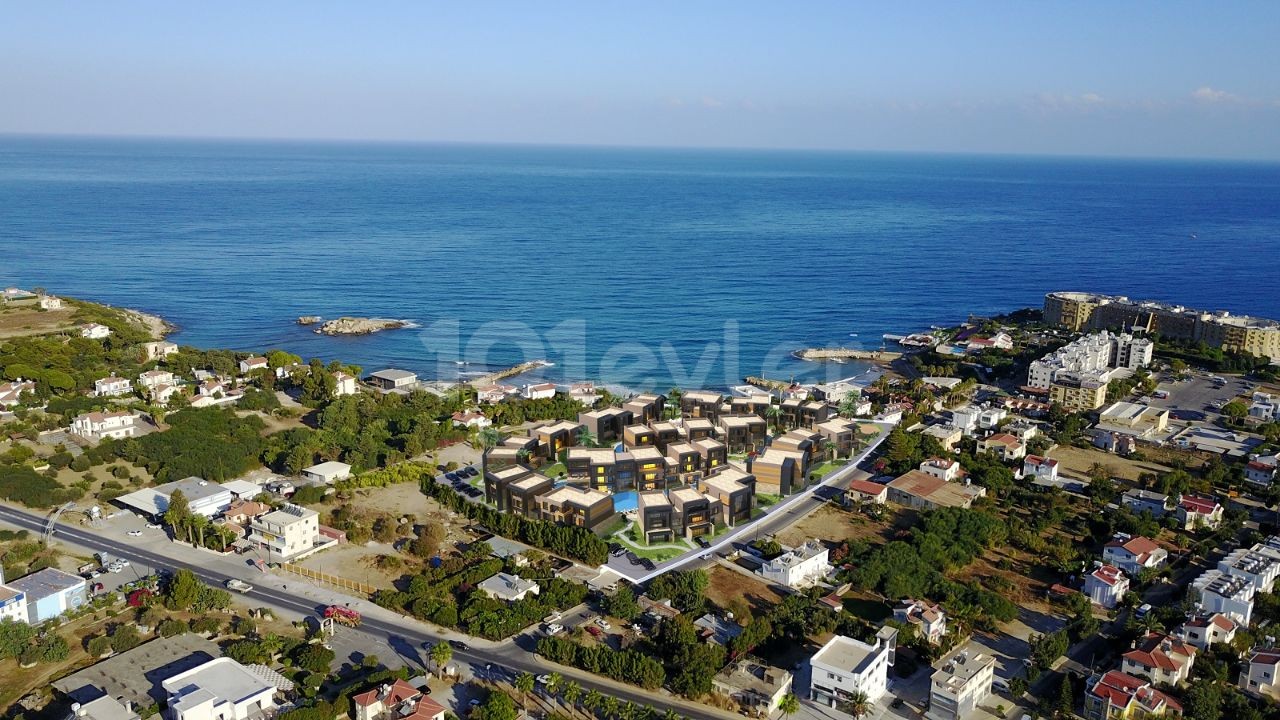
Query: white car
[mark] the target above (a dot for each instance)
(604, 624)
(134, 533)
(153, 526)
(555, 629)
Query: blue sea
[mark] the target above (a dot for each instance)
(637, 267)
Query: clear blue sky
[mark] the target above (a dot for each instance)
(1100, 78)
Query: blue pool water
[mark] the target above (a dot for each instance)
(625, 501)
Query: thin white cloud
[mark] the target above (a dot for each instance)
(1091, 99)
(710, 102)
(1207, 94)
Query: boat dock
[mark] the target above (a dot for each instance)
(846, 354)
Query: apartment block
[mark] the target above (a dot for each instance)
(715, 454)
(778, 472)
(636, 436)
(808, 442)
(602, 468)
(570, 505)
(665, 433)
(657, 516)
(742, 433)
(698, 429)
(736, 493)
(700, 404)
(608, 424)
(847, 666)
(957, 688)
(651, 468)
(693, 512)
(646, 408)
(554, 438)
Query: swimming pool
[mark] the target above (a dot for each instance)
(625, 501)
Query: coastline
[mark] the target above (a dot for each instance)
(157, 326)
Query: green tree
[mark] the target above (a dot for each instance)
(14, 637)
(441, 654)
(524, 683)
(178, 515)
(789, 705)
(572, 692)
(622, 604)
(183, 591)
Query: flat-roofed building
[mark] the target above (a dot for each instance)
(665, 433)
(693, 512)
(657, 516)
(47, 594)
(715, 454)
(778, 472)
(753, 685)
(742, 433)
(555, 437)
(1215, 591)
(956, 688)
(735, 491)
(845, 667)
(606, 424)
(636, 436)
(948, 436)
(799, 567)
(840, 433)
(392, 379)
(221, 689)
(497, 482)
(646, 408)
(576, 506)
(102, 425)
(500, 457)
(291, 531)
(651, 468)
(1134, 419)
(327, 473)
(696, 429)
(700, 404)
(601, 468)
(808, 442)
(757, 405)
(523, 493)
(686, 458)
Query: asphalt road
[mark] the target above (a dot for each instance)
(405, 637)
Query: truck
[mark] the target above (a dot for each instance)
(342, 615)
(239, 586)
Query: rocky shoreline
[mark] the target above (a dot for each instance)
(359, 326)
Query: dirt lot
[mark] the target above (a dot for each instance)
(834, 524)
(726, 584)
(1076, 462)
(30, 320)
(358, 563)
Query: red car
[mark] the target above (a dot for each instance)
(595, 631)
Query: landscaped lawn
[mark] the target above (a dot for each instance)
(870, 610)
(824, 469)
(552, 471)
(765, 499)
(664, 551)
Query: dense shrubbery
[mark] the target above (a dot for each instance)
(23, 485)
(211, 443)
(626, 666)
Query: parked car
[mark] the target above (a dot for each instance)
(452, 477)
(702, 542)
(459, 645)
(647, 564)
(134, 533)
(554, 629)
(595, 631)
(543, 679)
(604, 624)
(633, 558)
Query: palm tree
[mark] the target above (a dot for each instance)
(611, 707)
(524, 683)
(554, 682)
(572, 692)
(831, 448)
(789, 705)
(592, 701)
(671, 715)
(627, 711)
(488, 438)
(441, 654)
(856, 704)
(772, 414)
(586, 438)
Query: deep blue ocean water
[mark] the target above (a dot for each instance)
(617, 264)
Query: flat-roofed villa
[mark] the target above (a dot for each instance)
(555, 437)
(757, 405)
(742, 433)
(523, 493)
(634, 436)
(646, 408)
(500, 457)
(808, 442)
(392, 379)
(736, 492)
(606, 424)
(651, 468)
(657, 516)
(840, 433)
(497, 484)
(602, 468)
(714, 454)
(693, 512)
(685, 458)
(665, 433)
(700, 403)
(778, 472)
(698, 428)
(575, 506)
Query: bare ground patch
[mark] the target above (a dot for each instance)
(726, 584)
(1077, 461)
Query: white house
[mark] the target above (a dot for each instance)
(966, 418)
(491, 394)
(471, 419)
(49, 302)
(286, 533)
(152, 378)
(94, 331)
(1259, 676)
(1196, 511)
(11, 392)
(159, 349)
(250, 364)
(112, 386)
(845, 666)
(799, 567)
(1265, 407)
(1134, 554)
(327, 472)
(344, 384)
(1007, 447)
(510, 588)
(1261, 469)
(929, 620)
(1106, 585)
(211, 388)
(1040, 468)
(538, 391)
(220, 689)
(943, 468)
(1160, 658)
(990, 418)
(1260, 568)
(100, 425)
(1205, 631)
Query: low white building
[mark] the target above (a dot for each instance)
(943, 468)
(112, 386)
(1261, 675)
(13, 602)
(1265, 407)
(508, 587)
(343, 384)
(101, 425)
(753, 685)
(288, 532)
(327, 472)
(1260, 470)
(221, 689)
(250, 364)
(203, 497)
(957, 688)
(538, 391)
(845, 666)
(1106, 585)
(1161, 658)
(799, 567)
(1259, 568)
(49, 302)
(94, 331)
(1204, 631)
(491, 394)
(153, 378)
(1134, 554)
(11, 392)
(1217, 592)
(471, 419)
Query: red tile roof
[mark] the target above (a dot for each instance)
(1198, 504)
(1109, 574)
(1119, 689)
(866, 487)
(1161, 651)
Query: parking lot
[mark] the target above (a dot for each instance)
(1198, 398)
(466, 481)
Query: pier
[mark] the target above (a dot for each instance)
(494, 377)
(846, 354)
